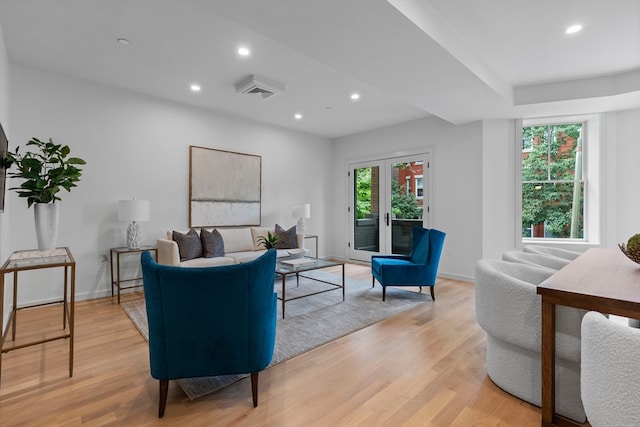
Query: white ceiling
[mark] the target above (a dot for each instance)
(460, 60)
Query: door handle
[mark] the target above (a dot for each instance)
(386, 218)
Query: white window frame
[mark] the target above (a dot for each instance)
(422, 187)
(593, 164)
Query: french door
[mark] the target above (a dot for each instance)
(388, 197)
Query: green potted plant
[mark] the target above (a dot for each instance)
(45, 172)
(270, 240)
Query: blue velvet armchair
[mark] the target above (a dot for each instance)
(418, 269)
(206, 321)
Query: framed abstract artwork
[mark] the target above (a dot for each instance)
(224, 188)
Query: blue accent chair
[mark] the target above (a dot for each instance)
(206, 321)
(418, 269)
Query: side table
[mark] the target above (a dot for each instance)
(313, 236)
(32, 260)
(117, 281)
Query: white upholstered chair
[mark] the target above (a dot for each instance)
(610, 372)
(548, 250)
(536, 260)
(508, 309)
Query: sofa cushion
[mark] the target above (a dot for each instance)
(257, 233)
(245, 256)
(237, 239)
(212, 243)
(288, 238)
(208, 262)
(189, 245)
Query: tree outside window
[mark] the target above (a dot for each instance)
(552, 181)
(404, 204)
(363, 192)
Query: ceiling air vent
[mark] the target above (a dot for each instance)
(258, 85)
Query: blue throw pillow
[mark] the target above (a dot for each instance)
(212, 243)
(420, 248)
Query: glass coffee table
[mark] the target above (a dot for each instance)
(287, 267)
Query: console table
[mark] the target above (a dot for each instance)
(603, 280)
(117, 280)
(313, 236)
(32, 260)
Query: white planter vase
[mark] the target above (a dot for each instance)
(46, 217)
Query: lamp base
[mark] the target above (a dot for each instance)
(133, 236)
(302, 226)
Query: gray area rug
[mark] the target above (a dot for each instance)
(310, 322)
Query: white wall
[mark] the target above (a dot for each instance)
(457, 184)
(4, 119)
(498, 187)
(622, 176)
(137, 147)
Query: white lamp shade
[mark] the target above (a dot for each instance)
(301, 211)
(133, 210)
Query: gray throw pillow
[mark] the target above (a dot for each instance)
(288, 238)
(189, 245)
(212, 243)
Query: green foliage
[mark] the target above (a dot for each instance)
(404, 205)
(45, 171)
(363, 192)
(634, 243)
(551, 158)
(270, 241)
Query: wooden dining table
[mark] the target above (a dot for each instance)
(603, 280)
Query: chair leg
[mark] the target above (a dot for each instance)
(164, 390)
(433, 295)
(420, 289)
(254, 388)
(384, 293)
(373, 281)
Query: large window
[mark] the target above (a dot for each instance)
(553, 181)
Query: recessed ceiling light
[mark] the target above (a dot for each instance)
(573, 29)
(195, 87)
(297, 116)
(243, 51)
(355, 96)
(124, 42)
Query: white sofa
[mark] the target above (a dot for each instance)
(240, 245)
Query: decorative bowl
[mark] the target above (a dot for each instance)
(296, 253)
(633, 255)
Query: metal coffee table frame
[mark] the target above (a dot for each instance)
(286, 270)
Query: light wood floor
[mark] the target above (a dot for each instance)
(424, 367)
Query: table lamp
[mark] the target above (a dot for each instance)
(301, 212)
(134, 211)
